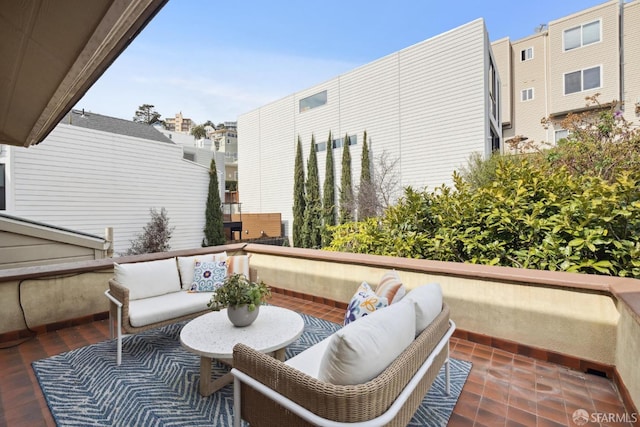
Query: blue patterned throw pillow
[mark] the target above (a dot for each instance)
(364, 302)
(208, 276)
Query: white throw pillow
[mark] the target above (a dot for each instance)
(361, 350)
(187, 265)
(208, 276)
(149, 278)
(428, 302)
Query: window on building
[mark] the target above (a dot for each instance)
(495, 142)
(3, 189)
(189, 156)
(582, 80)
(338, 142)
(321, 146)
(313, 101)
(526, 94)
(581, 35)
(493, 89)
(560, 134)
(526, 54)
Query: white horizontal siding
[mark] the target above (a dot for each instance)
(442, 94)
(277, 155)
(249, 161)
(87, 180)
(425, 106)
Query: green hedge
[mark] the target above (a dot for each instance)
(532, 216)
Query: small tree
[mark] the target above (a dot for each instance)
(299, 203)
(346, 188)
(214, 224)
(329, 194)
(313, 212)
(146, 113)
(199, 132)
(367, 197)
(386, 181)
(154, 237)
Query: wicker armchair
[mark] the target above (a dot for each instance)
(271, 393)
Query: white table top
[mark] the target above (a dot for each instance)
(213, 335)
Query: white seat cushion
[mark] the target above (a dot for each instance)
(361, 350)
(308, 361)
(428, 303)
(143, 312)
(149, 278)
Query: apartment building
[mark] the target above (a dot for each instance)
(179, 123)
(428, 107)
(225, 140)
(549, 74)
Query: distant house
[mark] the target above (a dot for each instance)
(95, 171)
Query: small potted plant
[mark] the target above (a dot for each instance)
(241, 297)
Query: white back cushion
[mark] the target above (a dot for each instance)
(428, 302)
(187, 264)
(361, 350)
(148, 279)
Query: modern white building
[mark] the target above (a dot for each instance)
(430, 106)
(94, 171)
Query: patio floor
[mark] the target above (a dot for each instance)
(503, 389)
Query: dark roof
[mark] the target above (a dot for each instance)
(113, 125)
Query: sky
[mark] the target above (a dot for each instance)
(215, 60)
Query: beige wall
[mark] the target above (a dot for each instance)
(632, 60)
(530, 74)
(604, 54)
(595, 318)
(581, 323)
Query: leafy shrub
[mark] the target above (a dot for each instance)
(531, 216)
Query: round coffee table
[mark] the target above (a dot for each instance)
(213, 336)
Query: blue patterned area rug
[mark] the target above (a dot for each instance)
(157, 383)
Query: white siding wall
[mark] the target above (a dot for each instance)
(87, 180)
(426, 106)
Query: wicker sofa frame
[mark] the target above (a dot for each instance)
(119, 314)
(270, 393)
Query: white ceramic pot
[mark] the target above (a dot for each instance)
(241, 316)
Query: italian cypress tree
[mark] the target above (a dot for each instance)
(299, 203)
(329, 194)
(214, 225)
(313, 212)
(346, 189)
(366, 192)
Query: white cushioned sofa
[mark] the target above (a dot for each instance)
(151, 294)
(374, 371)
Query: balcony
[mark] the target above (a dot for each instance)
(542, 344)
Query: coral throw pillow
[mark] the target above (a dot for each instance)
(391, 287)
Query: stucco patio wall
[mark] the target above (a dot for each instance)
(594, 318)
